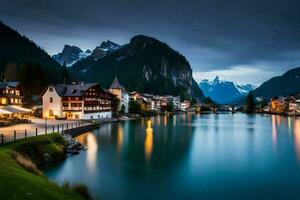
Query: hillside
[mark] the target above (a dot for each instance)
(145, 65)
(19, 54)
(288, 83)
(18, 183)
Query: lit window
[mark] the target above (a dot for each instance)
(3, 101)
(50, 113)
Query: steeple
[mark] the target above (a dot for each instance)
(116, 85)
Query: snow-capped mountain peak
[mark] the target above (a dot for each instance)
(223, 91)
(105, 48)
(70, 55)
(244, 89)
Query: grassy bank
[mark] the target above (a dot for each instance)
(18, 183)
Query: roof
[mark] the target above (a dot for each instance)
(74, 90)
(116, 85)
(9, 84)
(3, 111)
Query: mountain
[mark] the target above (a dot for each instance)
(105, 48)
(224, 92)
(70, 55)
(244, 89)
(287, 84)
(145, 65)
(21, 59)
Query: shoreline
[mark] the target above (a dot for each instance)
(20, 169)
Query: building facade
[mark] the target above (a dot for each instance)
(119, 91)
(11, 94)
(76, 101)
(185, 105)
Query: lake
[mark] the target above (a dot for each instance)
(208, 156)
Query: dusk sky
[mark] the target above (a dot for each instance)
(243, 41)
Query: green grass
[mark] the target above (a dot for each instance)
(17, 183)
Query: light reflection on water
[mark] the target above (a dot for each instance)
(274, 130)
(297, 137)
(148, 141)
(191, 157)
(90, 141)
(119, 139)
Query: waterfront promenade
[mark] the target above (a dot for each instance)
(37, 127)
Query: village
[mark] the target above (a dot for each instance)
(89, 101)
(62, 106)
(284, 105)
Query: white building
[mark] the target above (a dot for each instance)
(185, 105)
(117, 89)
(176, 103)
(76, 101)
(294, 106)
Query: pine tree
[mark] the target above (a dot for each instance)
(65, 74)
(11, 72)
(250, 102)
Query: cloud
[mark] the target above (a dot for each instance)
(215, 36)
(243, 74)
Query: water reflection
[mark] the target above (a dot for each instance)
(90, 141)
(193, 155)
(274, 130)
(148, 141)
(119, 138)
(297, 137)
(165, 120)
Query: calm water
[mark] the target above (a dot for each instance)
(189, 157)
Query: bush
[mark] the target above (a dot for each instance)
(135, 107)
(26, 163)
(83, 190)
(79, 188)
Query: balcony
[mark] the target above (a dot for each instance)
(72, 108)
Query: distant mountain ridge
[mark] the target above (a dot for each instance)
(224, 92)
(72, 54)
(287, 84)
(144, 64)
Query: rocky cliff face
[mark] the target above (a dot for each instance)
(70, 55)
(145, 65)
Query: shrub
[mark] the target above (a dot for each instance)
(26, 163)
(79, 188)
(83, 190)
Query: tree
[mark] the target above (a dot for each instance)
(122, 109)
(65, 74)
(135, 107)
(11, 72)
(210, 102)
(169, 106)
(115, 104)
(250, 102)
(33, 80)
(193, 102)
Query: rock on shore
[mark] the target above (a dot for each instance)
(73, 146)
